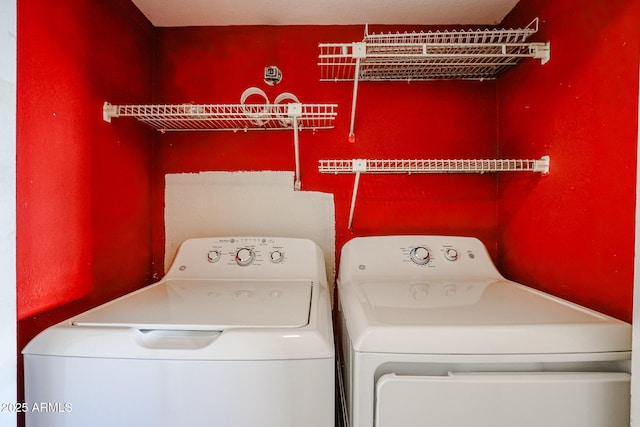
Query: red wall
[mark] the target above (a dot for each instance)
(394, 120)
(572, 232)
(90, 194)
(83, 186)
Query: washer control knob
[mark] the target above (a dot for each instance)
(245, 256)
(420, 255)
(277, 256)
(214, 256)
(451, 254)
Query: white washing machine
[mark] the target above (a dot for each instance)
(433, 335)
(237, 334)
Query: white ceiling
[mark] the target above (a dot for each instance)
(179, 13)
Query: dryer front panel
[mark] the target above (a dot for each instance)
(500, 399)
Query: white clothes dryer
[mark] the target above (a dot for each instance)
(238, 333)
(433, 335)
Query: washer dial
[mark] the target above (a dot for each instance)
(213, 256)
(245, 256)
(420, 255)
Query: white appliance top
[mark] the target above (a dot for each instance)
(232, 298)
(470, 303)
(443, 295)
(222, 283)
(207, 305)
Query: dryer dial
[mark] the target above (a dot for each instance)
(451, 254)
(245, 256)
(420, 255)
(277, 256)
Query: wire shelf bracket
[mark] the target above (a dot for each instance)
(411, 166)
(234, 117)
(434, 55)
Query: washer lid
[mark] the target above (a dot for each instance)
(207, 305)
(473, 316)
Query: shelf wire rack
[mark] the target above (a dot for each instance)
(234, 117)
(435, 55)
(411, 166)
(219, 117)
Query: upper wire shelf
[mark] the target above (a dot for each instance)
(433, 55)
(236, 117)
(465, 54)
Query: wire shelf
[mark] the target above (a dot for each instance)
(434, 55)
(458, 36)
(409, 166)
(466, 54)
(391, 166)
(235, 117)
(215, 117)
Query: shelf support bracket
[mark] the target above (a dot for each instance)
(294, 111)
(109, 111)
(542, 165)
(541, 51)
(358, 51)
(358, 166)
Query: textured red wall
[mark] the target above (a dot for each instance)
(453, 119)
(572, 232)
(83, 186)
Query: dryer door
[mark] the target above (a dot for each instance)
(523, 399)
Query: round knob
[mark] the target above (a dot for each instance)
(420, 255)
(213, 256)
(245, 256)
(277, 256)
(451, 254)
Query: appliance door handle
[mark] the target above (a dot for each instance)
(162, 339)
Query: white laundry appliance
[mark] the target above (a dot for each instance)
(237, 334)
(433, 335)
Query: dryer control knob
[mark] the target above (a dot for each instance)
(245, 256)
(420, 255)
(451, 254)
(277, 256)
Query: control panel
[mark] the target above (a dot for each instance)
(366, 258)
(423, 254)
(247, 257)
(247, 252)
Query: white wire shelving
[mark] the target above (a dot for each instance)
(411, 166)
(233, 117)
(434, 55)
